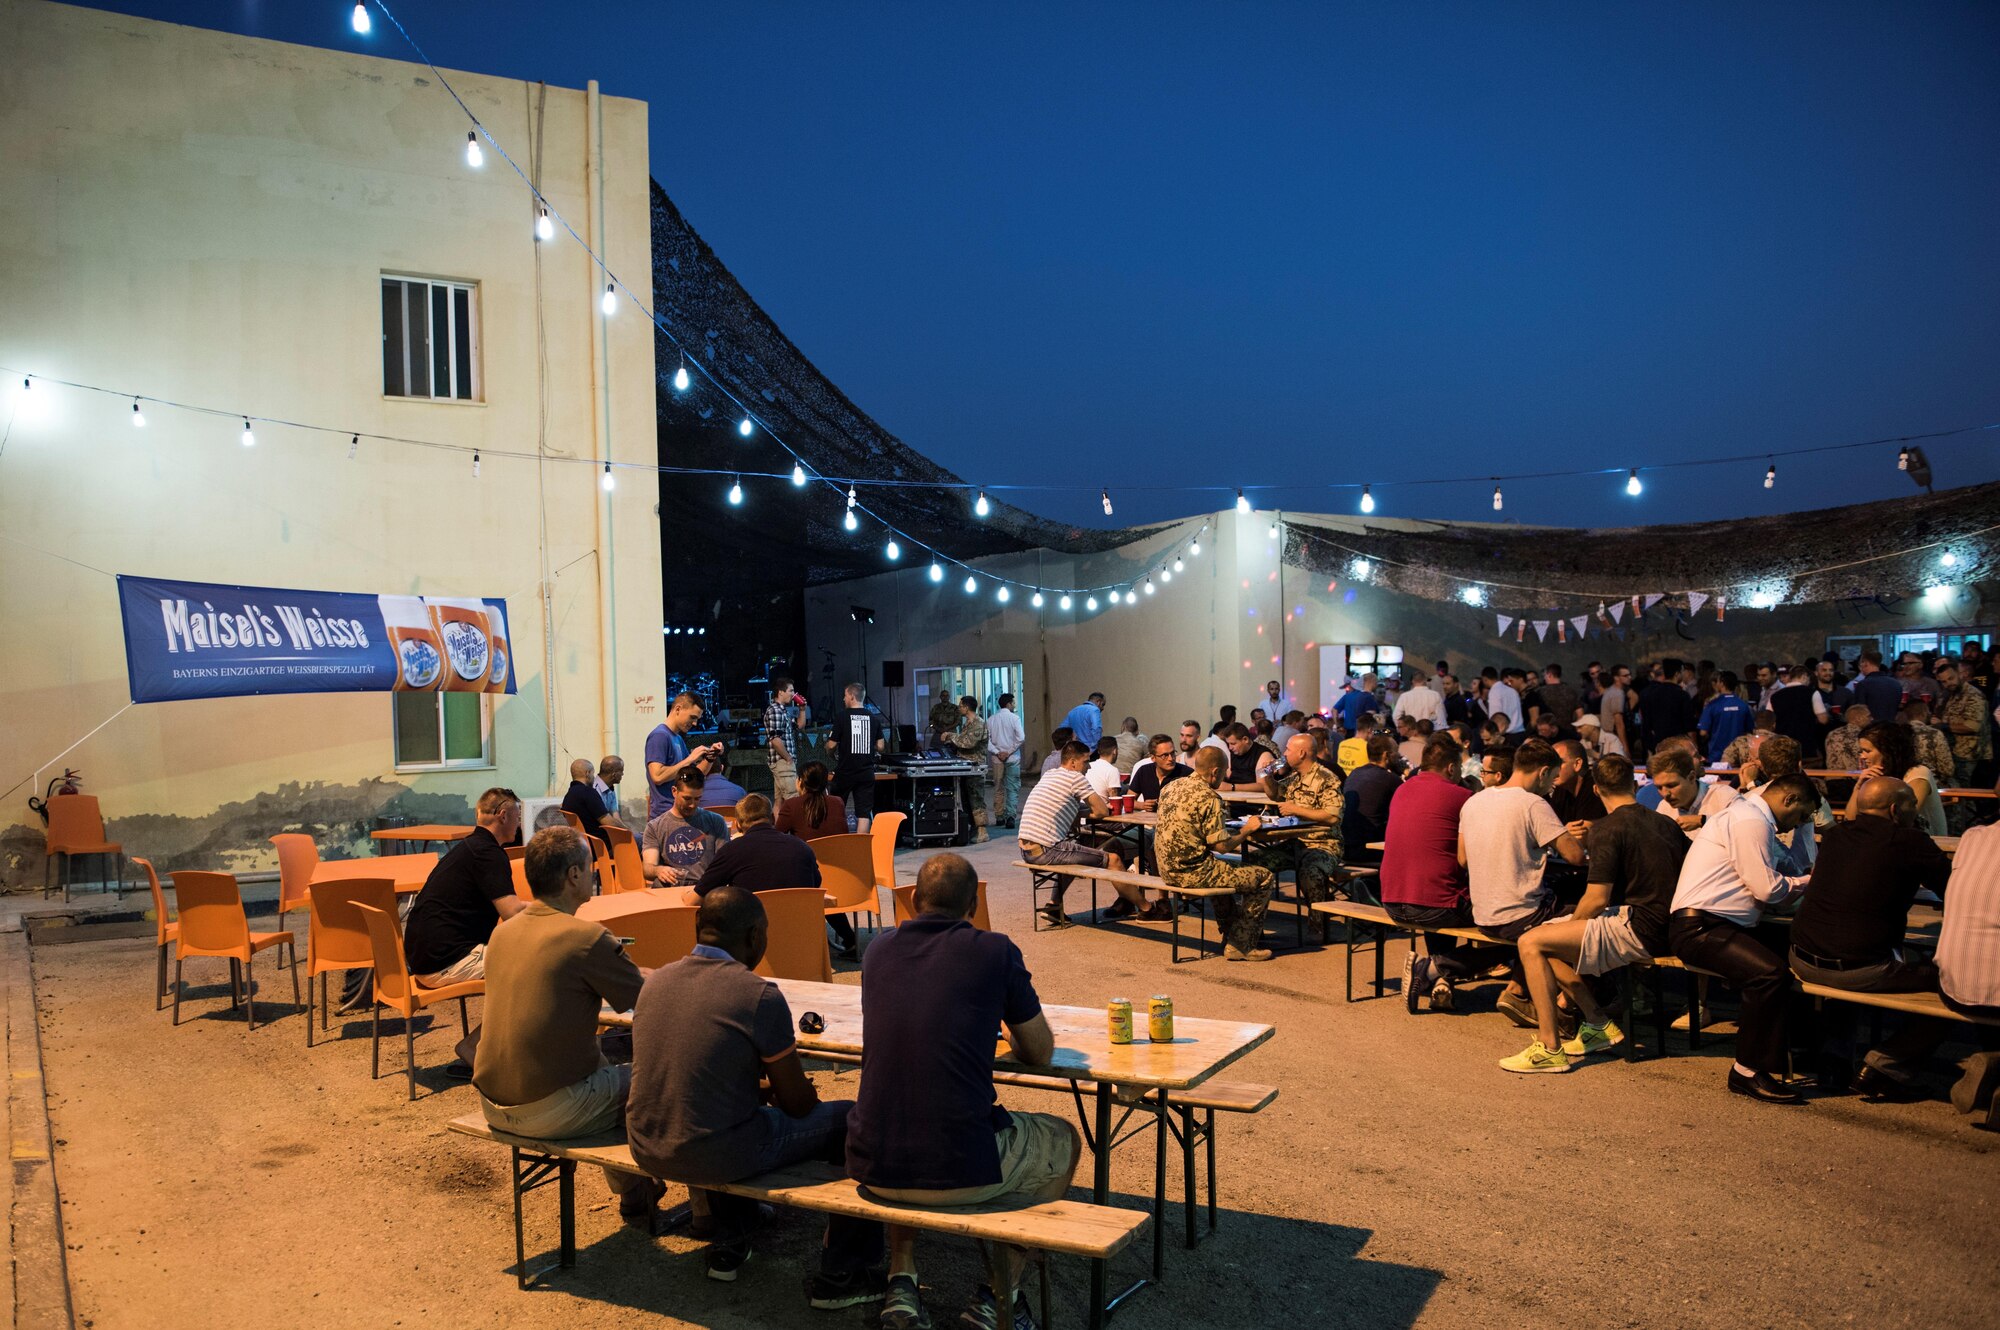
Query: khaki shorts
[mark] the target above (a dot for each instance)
(472, 965)
(1609, 943)
(1037, 1155)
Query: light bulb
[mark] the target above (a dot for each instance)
(893, 551)
(545, 227)
(1472, 595)
(1948, 559)
(1496, 498)
(138, 416)
(610, 482)
(850, 498)
(1131, 598)
(1361, 569)
(1065, 602)
(744, 427)
(798, 473)
(1105, 497)
(850, 522)
(1242, 503)
(610, 302)
(1149, 586)
(971, 584)
(473, 156)
(1178, 565)
(353, 447)
(361, 21)
(475, 466)
(249, 439)
(1367, 500)
(1902, 459)
(681, 377)
(736, 494)
(1002, 595)
(1166, 576)
(1272, 531)
(1632, 485)
(1090, 604)
(937, 571)
(1036, 600)
(1194, 548)
(980, 507)
(1771, 476)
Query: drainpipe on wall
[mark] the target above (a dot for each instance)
(600, 419)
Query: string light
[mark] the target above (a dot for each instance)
(1178, 565)
(798, 473)
(1271, 531)
(1064, 602)
(893, 551)
(545, 227)
(249, 439)
(1771, 476)
(1242, 503)
(971, 584)
(1496, 498)
(1104, 496)
(362, 23)
(1194, 547)
(1948, 559)
(1001, 595)
(1131, 598)
(1090, 604)
(1036, 599)
(1149, 586)
(1367, 500)
(937, 571)
(744, 427)
(353, 447)
(473, 156)
(980, 507)
(1361, 569)
(850, 522)
(475, 466)
(1632, 485)
(610, 482)
(681, 376)
(1902, 459)
(736, 494)
(610, 302)
(1166, 576)
(1472, 595)
(138, 416)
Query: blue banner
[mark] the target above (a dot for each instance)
(201, 639)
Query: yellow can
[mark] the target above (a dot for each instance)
(1160, 1019)
(1121, 1020)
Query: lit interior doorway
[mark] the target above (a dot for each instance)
(985, 682)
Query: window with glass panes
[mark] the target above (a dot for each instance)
(430, 339)
(443, 730)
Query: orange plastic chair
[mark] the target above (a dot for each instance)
(76, 827)
(397, 989)
(884, 829)
(847, 874)
(660, 936)
(521, 887)
(727, 812)
(336, 937)
(297, 858)
(607, 879)
(797, 949)
(165, 930)
(906, 908)
(212, 923)
(575, 822)
(627, 866)
(517, 852)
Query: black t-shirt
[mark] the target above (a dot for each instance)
(1147, 783)
(1867, 873)
(454, 912)
(934, 994)
(1578, 805)
(1665, 710)
(855, 730)
(761, 859)
(1243, 766)
(584, 801)
(1366, 815)
(1638, 854)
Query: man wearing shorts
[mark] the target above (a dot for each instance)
(1635, 860)
(1048, 834)
(855, 740)
(927, 1128)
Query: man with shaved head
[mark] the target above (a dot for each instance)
(582, 799)
(1849, 932)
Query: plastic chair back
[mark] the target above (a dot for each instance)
(884, 829)
(297, 857)
(607, 881)
(797, 948)
(517, 852)
(160, 916)
(385, 938)
(660, 936)
(212, 921)
(75, 825)
(575, 822)
(846, 872)
(727, 812)
(617, 835)
(626, 865)
(336, 937)
(906, 908)
(521, 887)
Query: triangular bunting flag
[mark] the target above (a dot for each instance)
(1655, 598)
(1541, 630)
(1696, 599)
(1580, 622)
(1618, 611)
(1506, 621)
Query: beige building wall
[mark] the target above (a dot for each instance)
(206, 218)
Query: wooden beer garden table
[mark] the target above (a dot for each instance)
(409, 870)
(1084, 1052)
(425, 834)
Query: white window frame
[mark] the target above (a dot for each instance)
(475, 370)
(484, 762)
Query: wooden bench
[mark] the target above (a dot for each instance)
(1209, 1098)
(1096, 1232)
(1910, 1004)
(1043, 878)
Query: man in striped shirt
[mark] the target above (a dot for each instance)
(1049, 836)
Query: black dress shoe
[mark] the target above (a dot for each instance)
(1882, 1086)
(1763, 1087)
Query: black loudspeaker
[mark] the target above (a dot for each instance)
(933, 807)
(892, 674)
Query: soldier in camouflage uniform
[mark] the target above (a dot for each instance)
(968, 741)
(1308, 791)
(1933, 749)
(1962, 716)
(943, 717)
(1189, 833)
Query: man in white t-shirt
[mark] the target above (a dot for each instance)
(1103, 774)
(1503, 701)
(1505, 834)
(1421, 702)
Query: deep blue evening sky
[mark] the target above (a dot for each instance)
(1322, 242)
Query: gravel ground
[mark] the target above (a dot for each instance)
(213, 1176)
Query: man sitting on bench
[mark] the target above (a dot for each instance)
(705, 1034)
(1185, 842)
(1048, 835)
(928, 1129)
(538, 1069)
(1635, 862)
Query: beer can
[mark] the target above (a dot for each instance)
(1160, 1019)
(1121, 1020)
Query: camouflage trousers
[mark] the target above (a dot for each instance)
(1316, 868)
(1239, 918)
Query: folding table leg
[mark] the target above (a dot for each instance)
(1208, 1142)
(1187, 1170)
(1100, 1191)
(1159, 1190)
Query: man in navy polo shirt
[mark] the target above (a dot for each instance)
(927, 1129)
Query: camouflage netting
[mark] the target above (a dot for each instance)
(1891, 547)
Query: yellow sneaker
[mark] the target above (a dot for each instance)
(1593, 1039)
(1535, 1058)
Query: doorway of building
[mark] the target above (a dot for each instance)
(985, 682)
